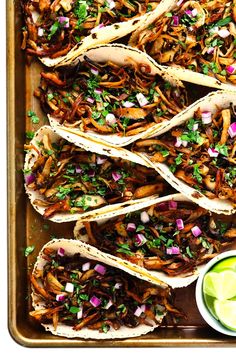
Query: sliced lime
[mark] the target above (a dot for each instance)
(226, 312)
(209, 301)
(222, 285)
(228, 263)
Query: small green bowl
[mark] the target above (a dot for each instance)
(206, 314)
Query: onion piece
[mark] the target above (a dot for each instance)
(175, 20)
(223, 33)
(95, 29)
(143, 307)
(140, 239)
(94, 71)
(210, 50)
(178, 142)
(100, 269)
(212, 152)
(179, 224)
(117, 286)
(195, 127)
(69, 287)
(86, 266)
(230, 69)
(184, 143)
(29, 178)
(60, 297)
(196, 231)
(194, 12)
(128, 104)
(232, 130)
(111, 4)
(116, 176)
(80, 313)
(110, 119)
(90, 100)
(144, 217)
(40, 32)
(95, 301)
(142, 100)
(98, 91)
(91, 173)
(61, 252)
(189, 13)
(130, 227)
(108, 305)
(172, 205)
(206, 117)
(163, 206)
(138, 311)
(100, 160)
(65, 21)
(172, 250)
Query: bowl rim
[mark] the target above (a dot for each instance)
(205, 313)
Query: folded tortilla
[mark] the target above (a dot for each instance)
(171, 40)
(173, 97)
(70, 248)
(184, 269)
(212, 102)
(70, 28)
(37, 199)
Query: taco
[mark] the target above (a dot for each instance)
(57, 30)
(195, 153)
(171, 238)
(113, 95)
(65, 181)
(196, 40)
(78, 292)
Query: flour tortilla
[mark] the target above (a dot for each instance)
(119, 54)
(174, 282)
(89, 146)
(220, 99)
(108, 34)
(74, 246)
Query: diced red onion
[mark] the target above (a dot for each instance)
(230, 69)
(175, 20)
(196, 231)
(195, 127)
(90, 100)
(95, 301)
(143, 307)
(140, 239)
(144, 217)
(130, 227)
(40, 32)
(69, 287)
(111, 4)
(213, 152)
(94, 71)
(110, 119)
(95, 29)
(61, 252)
(178, 142)
(142, 100)
(98, 91)
(116, 176)
(60, 297)
(78, 169)
(188, 12)
(179, 2)
(117, 286)
(194, 12)
(108, 305)
(184, 143)
(100, 269)
(172, 205)
(138, 311)
(232, 130)
(214, 30)
(86, 266)
(179, 224)
(223, 33)
(65, 21)
(163, 206)
(100, 160)
(91, 173)
(210, 50)
(206, 117)
(80, 313)
(29, 178)
(172, 250)
(128, 104)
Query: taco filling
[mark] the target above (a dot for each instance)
(108, 98)
(53, 27)
(70, 179)
(201, 152)
(196, 35)
(83, 293)
(173, 237)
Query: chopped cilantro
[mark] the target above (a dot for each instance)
(178, 159)
(222, 149)
(124, 248)
(29, 135)
(196, 173)
(74, 309)
(33, 116)
(189, 253)
(63, 192)
(29, 250)
(54, 28)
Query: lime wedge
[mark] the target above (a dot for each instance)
(222, 285)
(209, 301)
(226, 312)
(228, 263)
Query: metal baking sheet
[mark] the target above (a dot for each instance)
(26, 227)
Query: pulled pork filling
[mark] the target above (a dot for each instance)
(196, 35)
(109, 99)
(173, 237)
(53, 27)
(82, 293)
(71, 179)
(201, 152)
